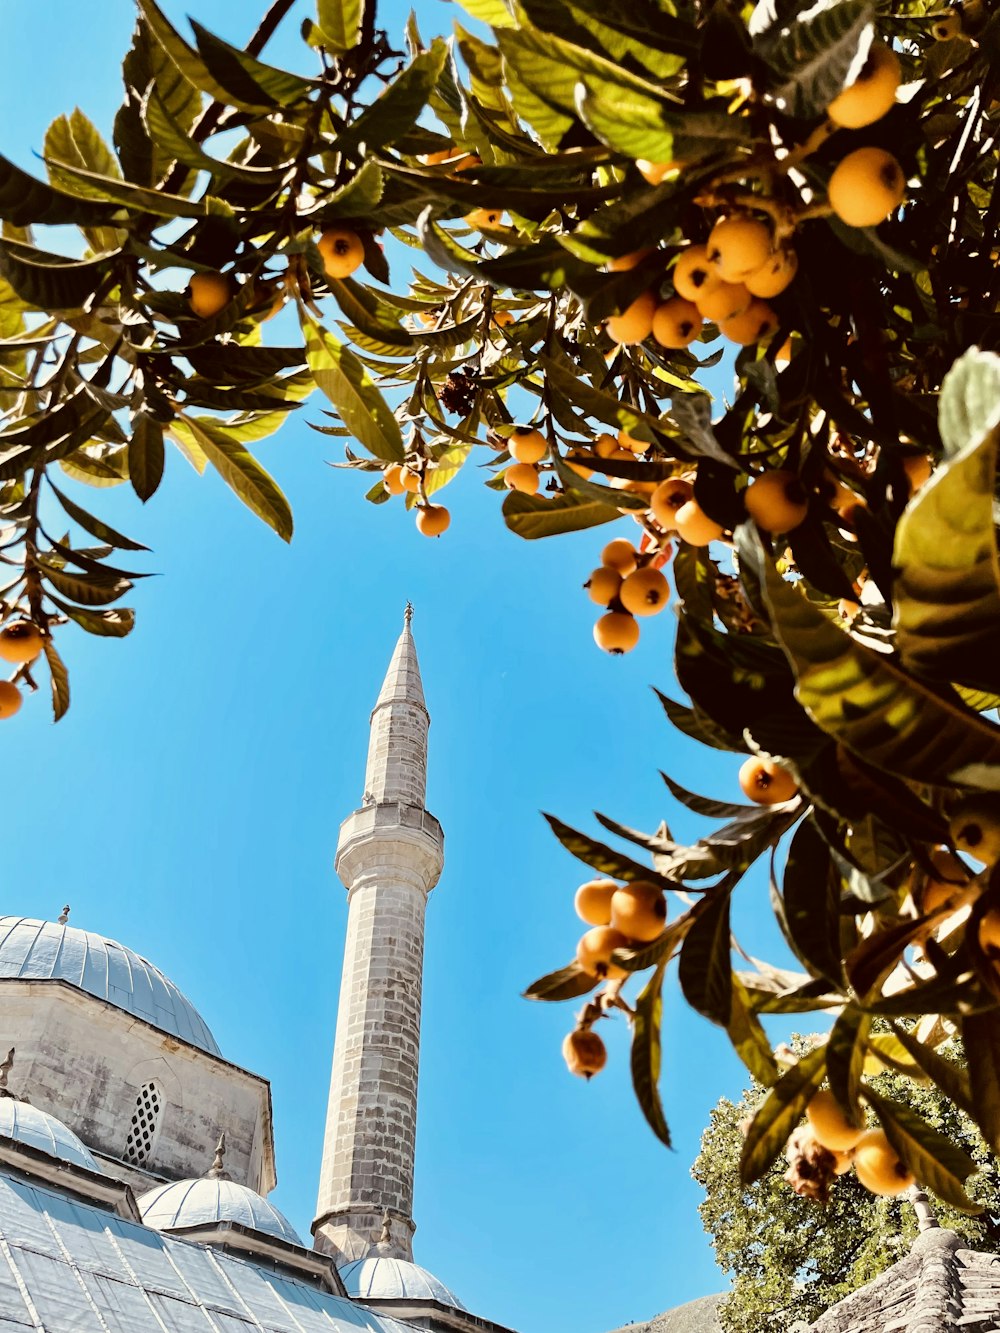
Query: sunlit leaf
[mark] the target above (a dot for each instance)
(646, 1054)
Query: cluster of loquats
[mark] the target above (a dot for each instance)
(619, 916)
(20, 643)
(400, 479)
(629, 584)
(830, 1144)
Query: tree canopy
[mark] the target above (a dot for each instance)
(608, 198)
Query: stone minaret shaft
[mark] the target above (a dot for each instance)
(389, 856)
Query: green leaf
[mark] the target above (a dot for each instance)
(932, 1157)
(861, 698)
(646, 1054)
(47, 281)
(704, 805)
(604, 859)
(981, 1039)
(946, 592)
(749, 1038)
(95, 526)
(145, 455)
(812, 905)
(74, 140)
(59, 679)
(845, 1057)
(176, 144)
(811, 58)
(704, 970)
(247, 78)
(189, 63)
(344, 380)
(90, 589)
(567, 984)
(699, 727)
(969, 405)
(661, 950)
(122, 192)
(950, 1076)
(534, 516)
(781, 1111)
(340, 21)
(114, 623)
(243, 474)
(24, 201)
(493, 12)
(630, 122)
(396, 109)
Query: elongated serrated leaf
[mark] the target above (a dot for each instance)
(243, 474)
(950, 1077)
(343, 379)
(25, 200)
(599, 857)
(397, 107)
(981, 1039)
(781, 1111)
(646, 1054)
(969, 405)
(534, 516)
(122, 192)
(695, 724)
(47, 281)
(938, 1163)
(632, 123)
(145, 455)
(811, 58)
(59, 679)
(749, 1038)
(189, 62)
(861, 698)
(658, 951)
(692, 413)
(246, 77)
(176, 144)
(75, 140)
(88, 589)
(704, 970)
(114, 623)
(845, 1057)
(703, 805)
(567, 984)
(104, 532)
(340, 22)
(811, 901)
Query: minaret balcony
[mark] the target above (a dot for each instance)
(388, 840)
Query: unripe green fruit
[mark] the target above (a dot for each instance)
(871, 94)
(866, 187)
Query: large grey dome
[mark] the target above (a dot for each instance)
(25, 1123)
(193, 1203)
(381, 1278)
(45, 951)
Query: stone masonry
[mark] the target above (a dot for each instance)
(389, 857)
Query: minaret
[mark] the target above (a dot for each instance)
(389, 856)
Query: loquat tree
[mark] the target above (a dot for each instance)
(610, 197)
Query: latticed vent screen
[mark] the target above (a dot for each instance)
(142, 1130)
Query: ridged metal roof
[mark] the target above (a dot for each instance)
(25, 1123)
(379, 1277)
(192, 1203)
(45, 951)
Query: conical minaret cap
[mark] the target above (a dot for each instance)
(402, 682)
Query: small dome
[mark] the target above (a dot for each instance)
(45, 951)
(192, 1203)
(25, 1123)
(379, 1278)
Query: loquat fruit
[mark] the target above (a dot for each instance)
(829, 1124)
(843, 1161)
(626, 262)
(616, 633)
(392, 479)
(606, 446)
(877, 1165)
(644, 593)
(725, 300)
(620, 554)
(629, 442)
(639, 911)
(522, 477)
(847, 609)
(949, 882)
(603, 585)
(435, 159)
(654, 172)
(738, 245)
(10, 699)
(579, 468)
(975, 828)
(20, 642)
(432, 520)
(871, 94)
(776, 501)
(595, 948)
(527, 445)
(635, 323)
(918, 469)
(503, 319)
(694, 274)
(676, 323)
(410, 478)
(989, 931)
(947, 27)
(593, 901)
(777, 273)
(757, 322)
(668, 497)
(584, 1053)
(341, 250)
(866, 186)
(694, 526)
(481, 218)
(208, 293)
(766, 783)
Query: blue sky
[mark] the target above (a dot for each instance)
(189, 803)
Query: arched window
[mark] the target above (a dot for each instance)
(145, 1121)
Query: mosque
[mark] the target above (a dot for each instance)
(136, 1160)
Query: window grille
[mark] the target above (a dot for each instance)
(142, 1130)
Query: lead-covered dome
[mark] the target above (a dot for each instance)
(46, 951)
(194, 1203)
(25, 1123)
(381, 1278)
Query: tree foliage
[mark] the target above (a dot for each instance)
(615, 136)
(790, 1260)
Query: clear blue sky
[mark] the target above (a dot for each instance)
(189, 803)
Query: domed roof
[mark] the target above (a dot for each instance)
(381, 1278)
(47, 951)
(25, 1123)
(192, 1203)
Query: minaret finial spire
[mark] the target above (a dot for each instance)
(64, 915)
(217, 1171)
(408, 614)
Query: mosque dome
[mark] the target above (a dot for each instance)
(193, 1203)
(48, 951)
(381, 1278)
(25, 1123)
